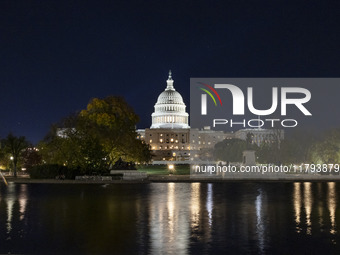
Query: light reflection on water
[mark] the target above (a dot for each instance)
(15, 196)
(178, 218)
(169, 229)
(332, 205)
(210, 203)
(308, 201)
(22, 200)
(10, 202)
(195, 205)
(260, 224)
(305, 199)
(297, 205)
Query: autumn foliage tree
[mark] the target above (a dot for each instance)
(97, 137)
(113, 122)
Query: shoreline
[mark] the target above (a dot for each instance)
(165, 179)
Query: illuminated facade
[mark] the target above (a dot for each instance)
(169, 134)
(171, 138)
(260, 136)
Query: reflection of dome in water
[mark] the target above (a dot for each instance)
(170, 109)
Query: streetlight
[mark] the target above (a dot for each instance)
(11, 158)
(171, 168)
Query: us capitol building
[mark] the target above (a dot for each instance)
(171, 138)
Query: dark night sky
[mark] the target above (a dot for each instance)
(57, 55)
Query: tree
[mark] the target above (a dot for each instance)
(269, 153)
(231, 150)
(14, 146)
(297, 146)
(70, 145)
(96, 138)
(249, 140)
(31, 157)
(327, 150)
(113, 122)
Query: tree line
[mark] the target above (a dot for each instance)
(301, 146)
(92, 140)
(103, 135)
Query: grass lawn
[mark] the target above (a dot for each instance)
(163, 169)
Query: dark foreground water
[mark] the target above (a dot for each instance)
(170, 218)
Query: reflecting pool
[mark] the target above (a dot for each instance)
(170, 218)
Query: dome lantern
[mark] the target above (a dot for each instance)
(170, 82)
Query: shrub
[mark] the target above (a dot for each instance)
(51, 171)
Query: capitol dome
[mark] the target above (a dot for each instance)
(170, 109)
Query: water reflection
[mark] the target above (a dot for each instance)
(177, 218)
(308, 202)
(22, 200)
(260, 224)
(210, 203)
(13, 197)
(332, 205)
(297, 205)
(10, 204)
(307, 199)
(169, 229)
(171, 209)
(195, 205)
